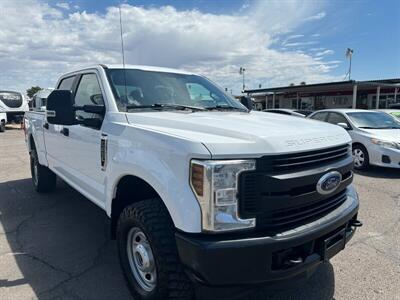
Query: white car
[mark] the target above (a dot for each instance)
(285, 111)
(200, 190)
(3, 121)
(375, 135)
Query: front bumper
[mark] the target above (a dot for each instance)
(384, 157)
(219, 261)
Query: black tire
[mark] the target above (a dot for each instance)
(152, 218)
(2, 127)
(43, 179)
(361, 151)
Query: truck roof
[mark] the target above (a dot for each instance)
(134, 67)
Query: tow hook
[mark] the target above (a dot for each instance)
(293, 262)
(356, 223)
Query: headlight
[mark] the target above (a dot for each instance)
(386, 144)
(215, 186)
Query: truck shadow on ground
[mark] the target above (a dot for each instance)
(379, 172)
(57, 246)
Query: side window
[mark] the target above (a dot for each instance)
(88, 92)
(319, 116)
(335, 118)
(66, 83)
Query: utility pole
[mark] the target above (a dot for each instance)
(241, 72)
(349, 55)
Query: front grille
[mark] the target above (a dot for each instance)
(281, 193)
(303, 160)
(296, 216)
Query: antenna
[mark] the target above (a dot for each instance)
(122, 50)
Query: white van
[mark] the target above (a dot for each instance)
(39, 100)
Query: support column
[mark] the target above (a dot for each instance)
(395, 95)
(297, 100)
(273, 100)
(354, 96)
(378, 94)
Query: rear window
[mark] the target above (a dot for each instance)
(396, 114)
(319, 116)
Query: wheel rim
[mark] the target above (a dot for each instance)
(141, 259)
(359, 157)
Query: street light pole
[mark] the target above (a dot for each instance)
(349, 55)
(241, 72)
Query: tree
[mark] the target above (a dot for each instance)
(292, 84)
(303, 83)
(32, 91)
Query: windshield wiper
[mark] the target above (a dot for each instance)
(161, 106)
(222, 107)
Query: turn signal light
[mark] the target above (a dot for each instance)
(197, 177)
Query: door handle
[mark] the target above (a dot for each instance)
(46, 125)
(65, 131)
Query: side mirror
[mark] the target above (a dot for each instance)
(246, 101)
(60, 108)
(343, 125)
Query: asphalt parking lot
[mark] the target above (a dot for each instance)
(56, 246)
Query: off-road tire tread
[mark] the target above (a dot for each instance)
(47, 179)
(153, 218)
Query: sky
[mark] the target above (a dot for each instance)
(277, 42)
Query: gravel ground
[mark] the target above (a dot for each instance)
(56, 246)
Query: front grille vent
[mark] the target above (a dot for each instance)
(296, 216)
(303, 160)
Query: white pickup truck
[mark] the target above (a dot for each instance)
(200, 190)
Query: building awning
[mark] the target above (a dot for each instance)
(329, 86)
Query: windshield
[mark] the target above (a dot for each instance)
(6, 95)
(147, 90)
(373, 120)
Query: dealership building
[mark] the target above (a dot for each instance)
(342, 94)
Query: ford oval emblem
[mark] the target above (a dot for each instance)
(329, 182)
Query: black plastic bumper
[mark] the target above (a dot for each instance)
(220, 261)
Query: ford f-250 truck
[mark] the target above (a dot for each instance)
(200, 190)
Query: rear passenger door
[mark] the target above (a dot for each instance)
(56, 144)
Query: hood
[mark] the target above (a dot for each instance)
(237, 134)
(390, 135)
